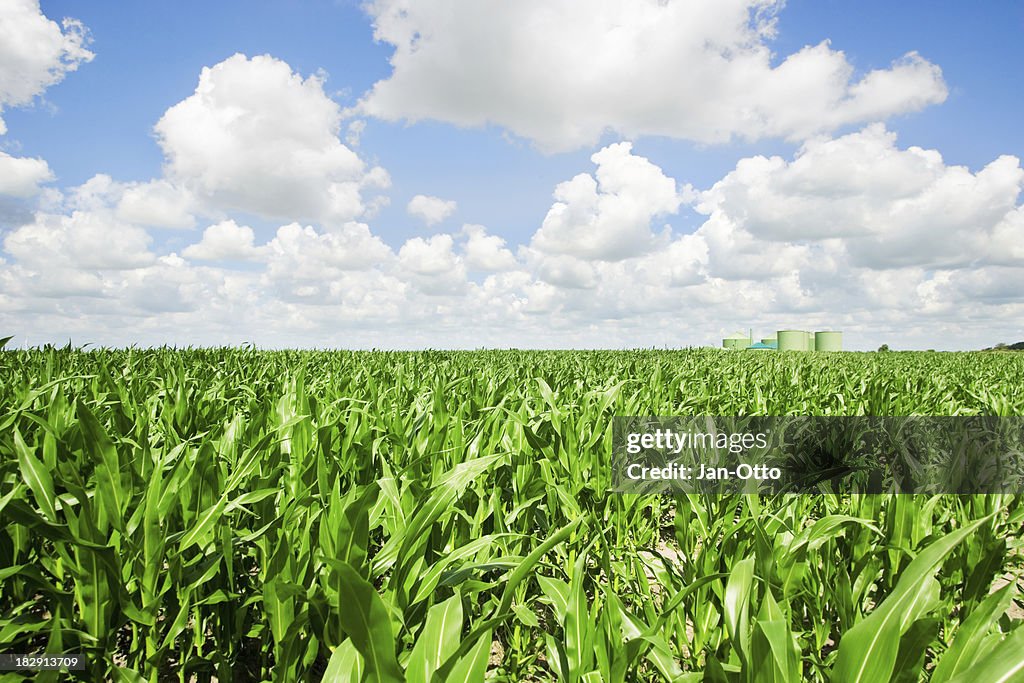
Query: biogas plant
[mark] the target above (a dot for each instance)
(787, 340)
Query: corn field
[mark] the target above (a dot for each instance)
(244, 515)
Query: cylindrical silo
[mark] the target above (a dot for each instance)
(792, 340)
(737, 340)
(828, 341)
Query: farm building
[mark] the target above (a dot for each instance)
(788, 340)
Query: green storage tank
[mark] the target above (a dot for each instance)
(737, 340)
(792, 340)
(828, 341)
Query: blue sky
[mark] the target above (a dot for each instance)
(573, 271)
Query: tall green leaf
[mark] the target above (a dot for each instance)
(737, 605)
(438, 640)
(868, 651)
(963, 653)
(366, 620)
(1004, 664)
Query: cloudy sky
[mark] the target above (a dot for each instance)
(489, 173)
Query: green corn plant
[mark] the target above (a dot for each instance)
(190, 514)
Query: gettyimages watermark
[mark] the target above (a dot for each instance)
(834, 454)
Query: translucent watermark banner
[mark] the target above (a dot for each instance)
(835, 454)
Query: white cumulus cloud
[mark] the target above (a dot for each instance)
(486, 252)
(225, 241)
(888, 206)
(35, 52)
(81, 253)
(22, 176)
(608, 215)
(84, 240)
(257, 137)
(430, 210)
(432, 265)
(301, 253)
(563, 73)
(158, 204)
